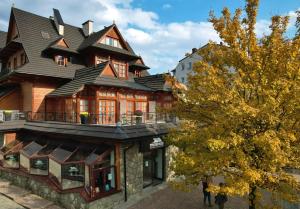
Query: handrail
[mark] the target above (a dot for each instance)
(128, 118)
(114, 119)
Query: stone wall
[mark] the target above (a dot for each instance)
(134, 161)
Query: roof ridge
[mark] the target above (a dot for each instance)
(40, 16)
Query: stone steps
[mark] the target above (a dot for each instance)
(24, 197)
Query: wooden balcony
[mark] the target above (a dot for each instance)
(104, 119)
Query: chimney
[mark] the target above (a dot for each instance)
(87, 27)
(59, 23)
(194, 50)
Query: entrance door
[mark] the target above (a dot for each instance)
(147, 169)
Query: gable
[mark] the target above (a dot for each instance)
(115, 34)
(108, 71)
(12, 29)
(139, 61)
(62, 43)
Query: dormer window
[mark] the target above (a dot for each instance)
(121, 69)
(100, 60)
(137, 73)
(61, 60)
(23, 59)
(9, 65)
(111, 42)
(15, 63)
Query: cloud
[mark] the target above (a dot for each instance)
(167, 6)
(160, 44)
(262, 28)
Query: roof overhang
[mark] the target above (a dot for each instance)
(55, 49)
(11, 48)
(140, 66)
(112, 50)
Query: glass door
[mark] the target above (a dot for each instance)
(107, 112)
(147, 169)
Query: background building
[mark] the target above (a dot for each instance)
(185, 66)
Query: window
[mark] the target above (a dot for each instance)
(190, 65)
(15, 63)
(23, 59)
(60, 60)
(103, 174)
(107, 112)
(100, 60)
(9, 65)
(141, 106)
(144, 97)
(182, 79)
(45, 35)
(111, 42)
(107, 94)
(84, 105)
(138, 73)
(121, 69)
(182, 66)
(126, 96)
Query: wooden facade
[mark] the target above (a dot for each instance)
(93, 166)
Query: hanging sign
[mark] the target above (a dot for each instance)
(157, 143)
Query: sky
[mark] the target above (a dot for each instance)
(161, 31)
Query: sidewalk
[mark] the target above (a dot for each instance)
(169, 199)
(14, 197)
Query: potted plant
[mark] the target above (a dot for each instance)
(84, 117)
(138, 115)
(7, 115)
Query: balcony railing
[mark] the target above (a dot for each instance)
(102, 118)
(5, 71)
(128, 118)
(11, 115)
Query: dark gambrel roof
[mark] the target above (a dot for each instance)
(91, 76)
(156, 82)
(31, 27)
(2, 39)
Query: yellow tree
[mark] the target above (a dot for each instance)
(240, 115)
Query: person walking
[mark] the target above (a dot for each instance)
(221, 198)
(207, 196)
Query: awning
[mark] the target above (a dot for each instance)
(31, 149)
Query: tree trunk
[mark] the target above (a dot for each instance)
(252, 197)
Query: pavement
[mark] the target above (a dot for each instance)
(168, 198)
(13, 197)
(171, 199)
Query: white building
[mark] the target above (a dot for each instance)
(185, 66)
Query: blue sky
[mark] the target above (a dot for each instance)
(161, 31)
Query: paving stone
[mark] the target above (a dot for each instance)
(33, 201)
(53, 207)
(4, 183)
(7, 203)
(14, 192)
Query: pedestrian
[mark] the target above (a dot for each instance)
(221, 197)
(205, 184)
